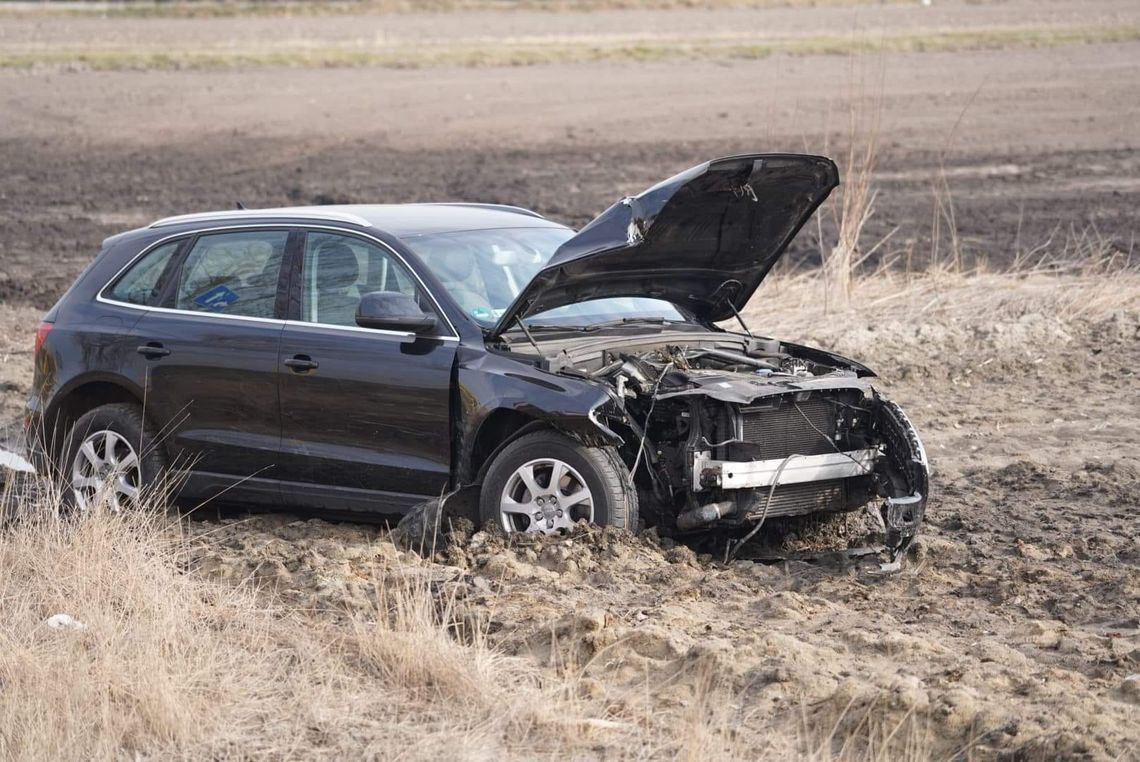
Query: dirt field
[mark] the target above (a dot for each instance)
(1015, 628)
(1034, 143)
(1013, 632)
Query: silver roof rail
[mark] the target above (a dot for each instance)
(501, 207)
(299, 212)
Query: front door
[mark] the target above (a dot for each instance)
(366, 419)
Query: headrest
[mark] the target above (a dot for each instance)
(337, 267)
(454, 265)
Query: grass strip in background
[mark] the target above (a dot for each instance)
(247, 8)
(533, 53)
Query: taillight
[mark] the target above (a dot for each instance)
(41, 334)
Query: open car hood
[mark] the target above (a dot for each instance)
(703, 239)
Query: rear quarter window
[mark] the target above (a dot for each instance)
(143, 281)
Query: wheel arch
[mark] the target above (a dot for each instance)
(498, 429)
(82, 397)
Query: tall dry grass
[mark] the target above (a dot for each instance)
(163, 662)
(853, 206)
(1070, 251)
(845, 247)
(1065, 291)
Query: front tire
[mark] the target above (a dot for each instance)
(112, 458)
(546, 483)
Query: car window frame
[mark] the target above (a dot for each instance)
(289, 284)
(445, 328)
(172, 266)
(169, 296)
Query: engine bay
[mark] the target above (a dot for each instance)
(722, 432)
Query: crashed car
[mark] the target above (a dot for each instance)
(366, 357)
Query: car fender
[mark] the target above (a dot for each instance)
(487, 382)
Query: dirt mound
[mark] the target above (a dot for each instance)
(1115, 482)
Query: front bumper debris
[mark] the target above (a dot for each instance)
(794, 469)
(908, 473)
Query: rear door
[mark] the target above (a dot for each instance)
(210, 357)
(366, 419)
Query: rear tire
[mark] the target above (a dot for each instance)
(111, 457)
(546, 482)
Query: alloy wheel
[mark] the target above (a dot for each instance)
(106, 467)
(545, 495)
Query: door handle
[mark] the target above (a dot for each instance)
(301, 363)
(153, 350)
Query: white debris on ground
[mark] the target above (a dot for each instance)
(65, 622)
(10, 461)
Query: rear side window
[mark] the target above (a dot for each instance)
(143, 282)
(233, 273)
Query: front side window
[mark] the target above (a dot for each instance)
(233, 273)
(485, 270)
(143, 282)
(339, 269)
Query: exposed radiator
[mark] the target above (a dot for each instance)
(778, 429)
(800, 499)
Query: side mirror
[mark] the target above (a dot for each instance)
(393, 311)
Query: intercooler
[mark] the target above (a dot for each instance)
(783, 426)
(799, 499)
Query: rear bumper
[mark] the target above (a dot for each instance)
(35, 437)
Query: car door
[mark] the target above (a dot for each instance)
(210, 357)
(366, 413)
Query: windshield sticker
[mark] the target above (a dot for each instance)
(480, 313)
(217, 298)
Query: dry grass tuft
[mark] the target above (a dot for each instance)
(865, 729)
(1065, 293)
(157, 660)
(853, 204)
(416, 639)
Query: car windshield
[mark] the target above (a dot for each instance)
(484, 270)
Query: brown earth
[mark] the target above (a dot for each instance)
(1014, 629)
(1015, 626)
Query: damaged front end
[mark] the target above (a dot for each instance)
(722, 433)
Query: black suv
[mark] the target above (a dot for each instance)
(362, 358)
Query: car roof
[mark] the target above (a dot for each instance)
(400, 220)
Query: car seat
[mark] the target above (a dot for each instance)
(337, 271)
(457, 270)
